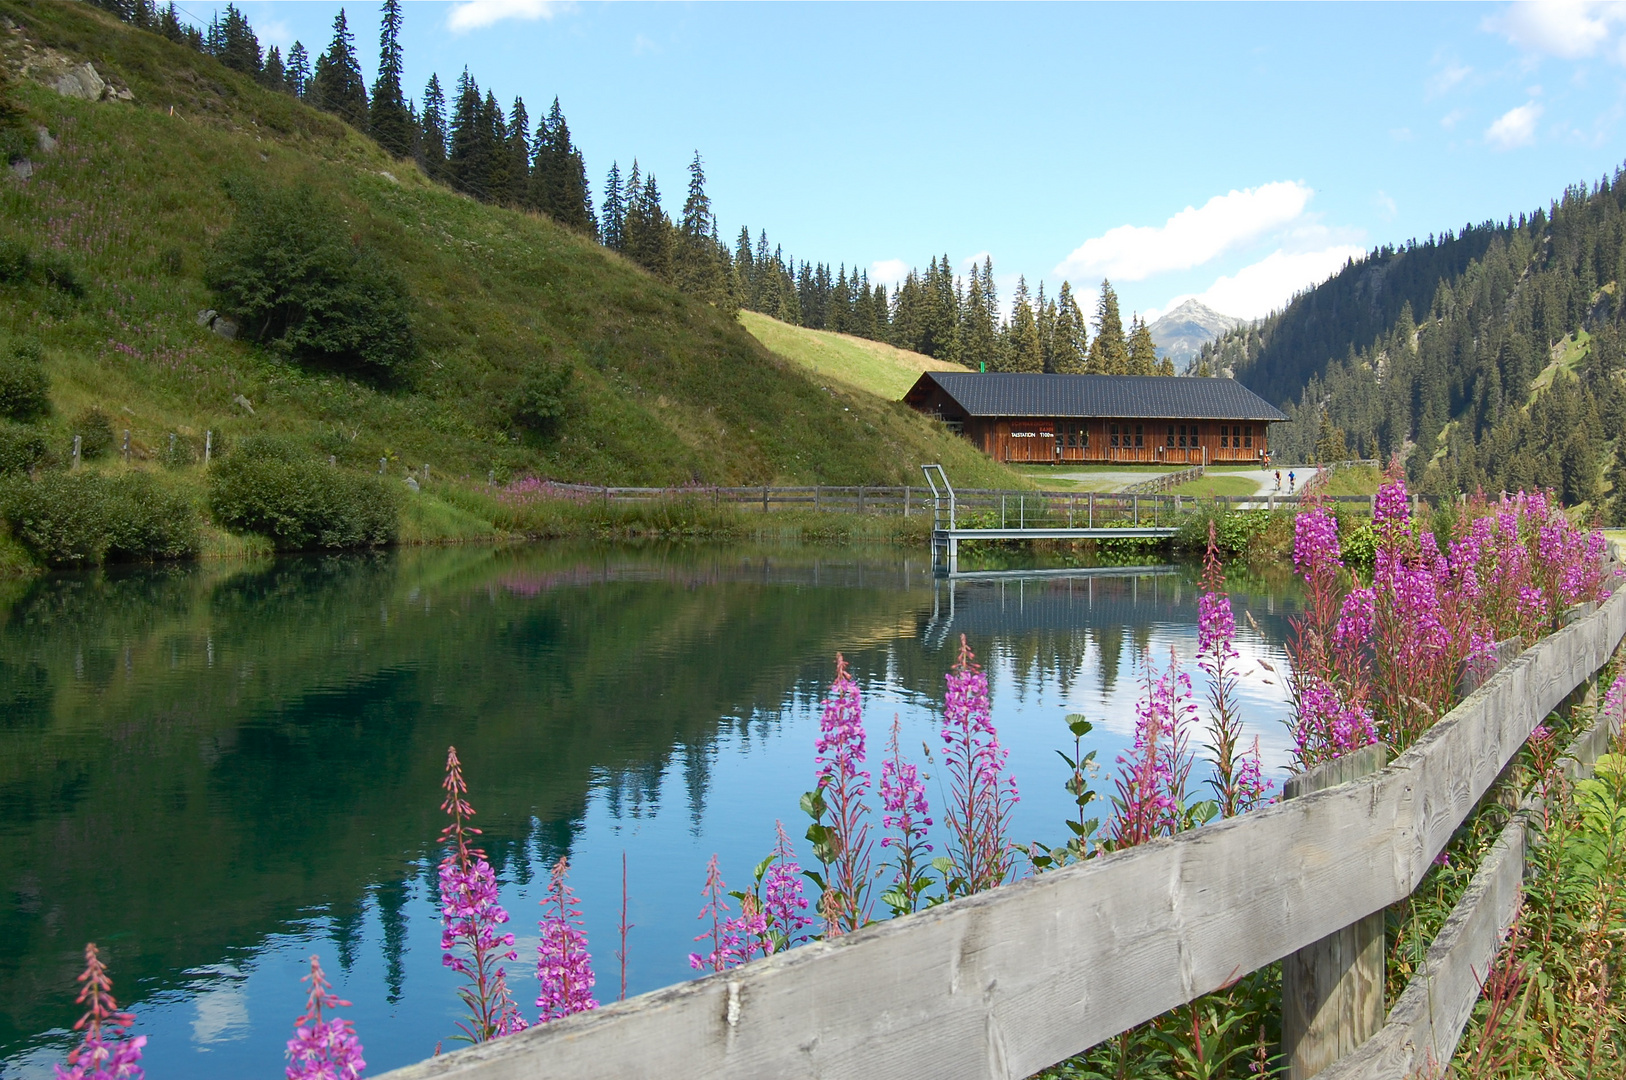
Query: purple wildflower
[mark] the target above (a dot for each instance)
(323, 1049)
(102, 1055)
(981, 795)
(470, 917)
(564, 967)
(1151, 799)
(843, 845)
(1393, 504)
(903, 802)
(1216, 634)
(736, 939)
(783, 904)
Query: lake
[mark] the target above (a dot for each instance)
(215, 771)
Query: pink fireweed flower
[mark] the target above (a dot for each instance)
(783, 903)
(323, 1049)
(1216, 634)
(981, 795)
(1315, 543)
(734, 939)
(1327, 726)
(843, 845)
(903, 802)
(471, 943)
(1393, 504)
(564, 967)
(1152, 779)
(104, 1054)
(1354, 627)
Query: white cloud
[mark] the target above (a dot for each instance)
(974, 262)
(1452, 118)
(1191, 237)
(1568, 29)
(475, 14)
(888, 272)
(1386, 204)
(1516, 127)
(1446, 78)
(1258, 289)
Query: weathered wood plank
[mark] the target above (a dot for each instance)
(1426, 1024)
(1332, 989)
(1007, 982)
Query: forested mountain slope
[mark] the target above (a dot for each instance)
(522, 347)
(1489, 359)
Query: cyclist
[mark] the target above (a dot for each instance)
(1291, 480)
(1278, 479)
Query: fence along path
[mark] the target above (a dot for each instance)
(1007, 982)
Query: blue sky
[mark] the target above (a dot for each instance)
(1235, 152)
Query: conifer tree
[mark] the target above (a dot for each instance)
(336, 84)
(233, 43)
(297, 72)
(648, 240)
(1070, 336)
(698, 270)
(1142, 349)
(559, 176)
(1109, 352)
(468, 155)
(273, 76)
(494, 133)
(170, 26)
(432, 131)
(517, 145)
(1025, 351)
(613, 216)
(387, 121)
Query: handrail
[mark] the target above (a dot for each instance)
(1007, 982)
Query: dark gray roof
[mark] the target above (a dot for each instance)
(1150, 397)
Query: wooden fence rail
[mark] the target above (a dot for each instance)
(1007, 982)
(1016, 504)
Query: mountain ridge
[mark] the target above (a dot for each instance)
(1181, 332)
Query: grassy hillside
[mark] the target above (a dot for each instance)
(665, 389)
(881, 369)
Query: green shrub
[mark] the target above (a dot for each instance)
(95, 433)
(177, 451)
(19, 266)
(25, 391)
(16, 261)
(21, 447)
(82, 519)
(543, 398)
(289, 273)
(272, 489)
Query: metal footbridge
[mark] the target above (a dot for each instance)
(947, 533)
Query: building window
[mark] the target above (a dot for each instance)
(1247, 436)
(1083, 437)
(1171, 434)
(1224, 436)
(1114, 432)
(1139, 439)
(1182, 435)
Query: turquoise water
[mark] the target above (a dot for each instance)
(214, 772)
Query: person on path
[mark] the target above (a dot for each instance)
(1278, 479)
(1291, 480)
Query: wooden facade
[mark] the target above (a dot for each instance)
(1101, 419)
(1065, 440)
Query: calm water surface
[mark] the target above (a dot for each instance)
(214, 772)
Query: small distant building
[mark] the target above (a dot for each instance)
(1055, 419)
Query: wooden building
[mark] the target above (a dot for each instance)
(1058, 419)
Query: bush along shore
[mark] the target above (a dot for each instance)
(1377, 657)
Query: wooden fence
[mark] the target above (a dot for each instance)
(1007, 982)
(1013, 506)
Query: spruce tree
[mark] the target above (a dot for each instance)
(1070, 351)
(468, 155)
(432, 131)
(494, 131)
(1142, 349)
(1109, 352)
(297, 73)
(517, 145)
(233, 43)
(273, 76)
(613, 217)
(697, 268)
(559, 176)
(387, 121)
(1026, 352)
(170, 26)
(336, 84)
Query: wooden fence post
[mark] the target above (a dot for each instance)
(764, 498)
(1332, 990)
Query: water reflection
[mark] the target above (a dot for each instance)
(213, 772)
